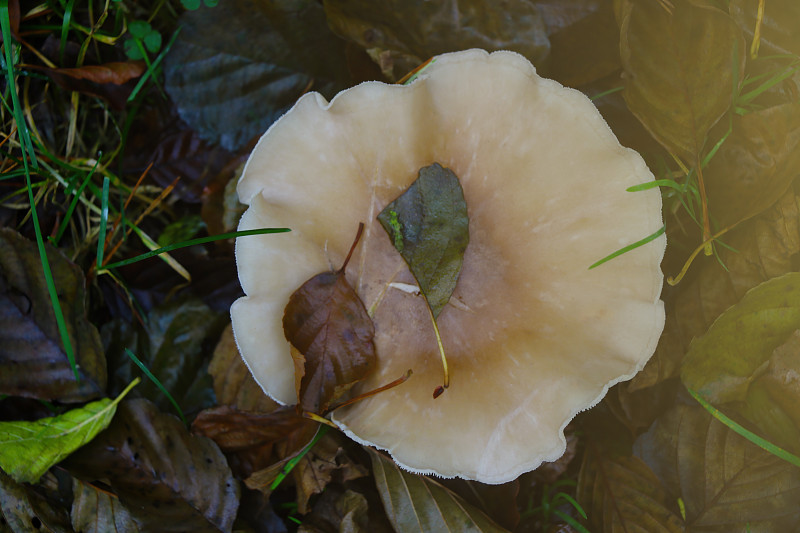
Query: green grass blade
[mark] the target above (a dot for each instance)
(193, 242)
(101, 238)
(571, 521)
(152, 67)
(157, 383)
(73, 204)
(296, 459)
(606, 93)
(746, 433)
(656, 183)
(29, 158)
(630, 247)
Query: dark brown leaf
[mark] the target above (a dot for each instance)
(233, 383)
(401, 34)
(327, 324)
(115, 73)
(621, 494)
(679, 67)
(727, 483)
(24, 509)
(168, 479)
(251, 436)
(96, 511)
(33, 362)
(755, 165)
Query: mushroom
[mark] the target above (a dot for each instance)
(533, 336)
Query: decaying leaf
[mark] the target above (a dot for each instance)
(33, 362)
(24, 509)
(679, 69)
(755, 165)
(116, 73)
(251, 436)
(721, 364)
(96, 511)
(327, 324)
(276, 50)
(29, 449)
(417, 503)
(429, 226)
(621, 494)
(776, 36)
(401, 34)
(168, 479)
(233, 383)
(727, 484)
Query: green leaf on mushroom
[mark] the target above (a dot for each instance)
(429, 226)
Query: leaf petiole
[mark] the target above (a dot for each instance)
(439, 390)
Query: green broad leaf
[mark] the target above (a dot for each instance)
(622, 494)
(400, 35)
(429, 226)
(755, 165)
(96, 511)
(417, 503)
(726, 483)
(29, 449)
(678, 65)
(33, 362)
(271, 52)
(722, 364)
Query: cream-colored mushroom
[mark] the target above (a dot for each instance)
(532, 335)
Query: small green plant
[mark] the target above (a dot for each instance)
(552, 500)
(143, 37)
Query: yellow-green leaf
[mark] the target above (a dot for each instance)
(29, 449)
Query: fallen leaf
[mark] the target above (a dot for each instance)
(251, 436)
(755, 165)
(33, 362)
(345, 512)
(721, 364)
(726, 483)
(115, 73)
(29, 449)
(326, 463)
(168, 479)
(233, 383)
(429, 226)
(327, 324)
(498, 502)
(279, 49)
(402, 34)
(776, 36)
(96, 511)
(23, 509)
(679, 69)
(622, 494)
(417, 503)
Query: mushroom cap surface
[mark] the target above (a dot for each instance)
(532, 335)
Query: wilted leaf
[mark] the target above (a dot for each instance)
(33, 362)
(721, 364)
(499, 502)
(778, 35)
(171, 346)
(327, 462)
(727, 484)
(270, 53)
(251, 436)
(345, 512)
(679, 69)
(401, 34)
(764, 248)
(417, 503)
(114, 72)
(233, 383)
(327, 324)
(97, 511)
(23, 509)
(168, 479)
(29, 449)
(429, 226)
(756, 164)
(622, 494)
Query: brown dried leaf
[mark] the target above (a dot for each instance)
(327, 324)
(233, 383)
(116, 72)
(252, 436)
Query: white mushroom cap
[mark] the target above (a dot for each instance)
(532, 335)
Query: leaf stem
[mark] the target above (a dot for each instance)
(446, 384)
(399, 381)
(677, 279)
(353, 247)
